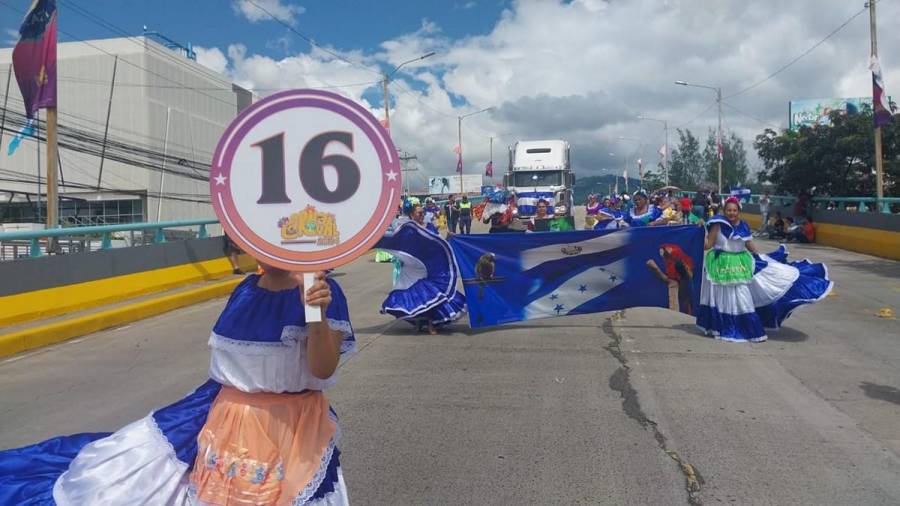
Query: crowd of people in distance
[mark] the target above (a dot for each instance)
(664, 208)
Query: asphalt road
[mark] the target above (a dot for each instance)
(633, 408)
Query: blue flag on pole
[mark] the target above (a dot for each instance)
(516, 277)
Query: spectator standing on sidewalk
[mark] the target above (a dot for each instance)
(451, 211)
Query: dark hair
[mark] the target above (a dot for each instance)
(542, 201)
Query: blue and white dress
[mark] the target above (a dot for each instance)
(425, 289)
(652, 214)
(608, 219)
(258, 345)
(741, 311)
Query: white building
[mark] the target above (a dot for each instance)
(161, 101)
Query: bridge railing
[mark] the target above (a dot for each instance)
(37, 243)
(857, 204)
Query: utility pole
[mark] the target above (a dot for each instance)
(385, 79)
(491, 161)
(666, 128)
(879, 161)
(405, 157)
(459, 133)
(112, 86)
(460, 161)
(52, 191)
(719, 137)
(720, 145)
(387, 102)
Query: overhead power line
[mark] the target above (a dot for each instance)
(747, 114)
(801, 55)
(313, 42)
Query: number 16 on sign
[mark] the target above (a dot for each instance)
(305, 180)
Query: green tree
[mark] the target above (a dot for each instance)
(734, 161)
(837, 159)
(686, 161)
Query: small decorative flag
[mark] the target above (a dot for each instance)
(459, 164)
(457, 149)
(34, 57)
(880, 105)
(26, 131)
(489, 169)
(720, 150)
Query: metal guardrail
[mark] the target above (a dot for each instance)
(858, 204)
(33, 238)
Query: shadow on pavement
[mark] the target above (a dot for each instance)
(883, 268)
(787, 335)
(881, 392)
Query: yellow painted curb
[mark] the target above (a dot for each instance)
(47, 303)
(36, 337)
(871, 241)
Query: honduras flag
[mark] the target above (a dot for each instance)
(527, 202)
(516, 277)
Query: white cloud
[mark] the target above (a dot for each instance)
(212, 58)
(283, 11)
(584, 70)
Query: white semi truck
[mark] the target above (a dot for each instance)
(540, 170)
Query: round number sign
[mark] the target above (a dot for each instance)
(305, 180)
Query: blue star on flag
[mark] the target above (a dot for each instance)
(554, 296)
(582, 288)
(558, 308)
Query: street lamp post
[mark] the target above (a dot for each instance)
(666, 128)
(616, 174)
(459, 133)
(719, 139)
(386, 77)
(640, 150)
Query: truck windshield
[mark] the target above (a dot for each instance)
(537, 178)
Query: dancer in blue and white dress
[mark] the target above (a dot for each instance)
(742, 295)
(643, 213)
(425, 291)
(259, 432)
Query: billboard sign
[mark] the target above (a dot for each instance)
(445, 185)
(814, 112)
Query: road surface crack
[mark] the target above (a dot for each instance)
(620, 381)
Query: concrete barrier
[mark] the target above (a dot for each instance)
(875, 234)
(46, 287)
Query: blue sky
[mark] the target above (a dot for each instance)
(579, 70)
(345, 24)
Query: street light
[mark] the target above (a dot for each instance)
(718, 91)
(666, 128)
(640, 150)
(386, 78)
(459, 132)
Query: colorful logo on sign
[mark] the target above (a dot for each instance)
(309, 226)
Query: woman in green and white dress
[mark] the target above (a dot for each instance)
(727, 310)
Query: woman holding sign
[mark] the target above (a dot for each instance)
(286, 183)
(259, 432)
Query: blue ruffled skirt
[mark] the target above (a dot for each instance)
(146, 462)
(742, 312)
(425, 286)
